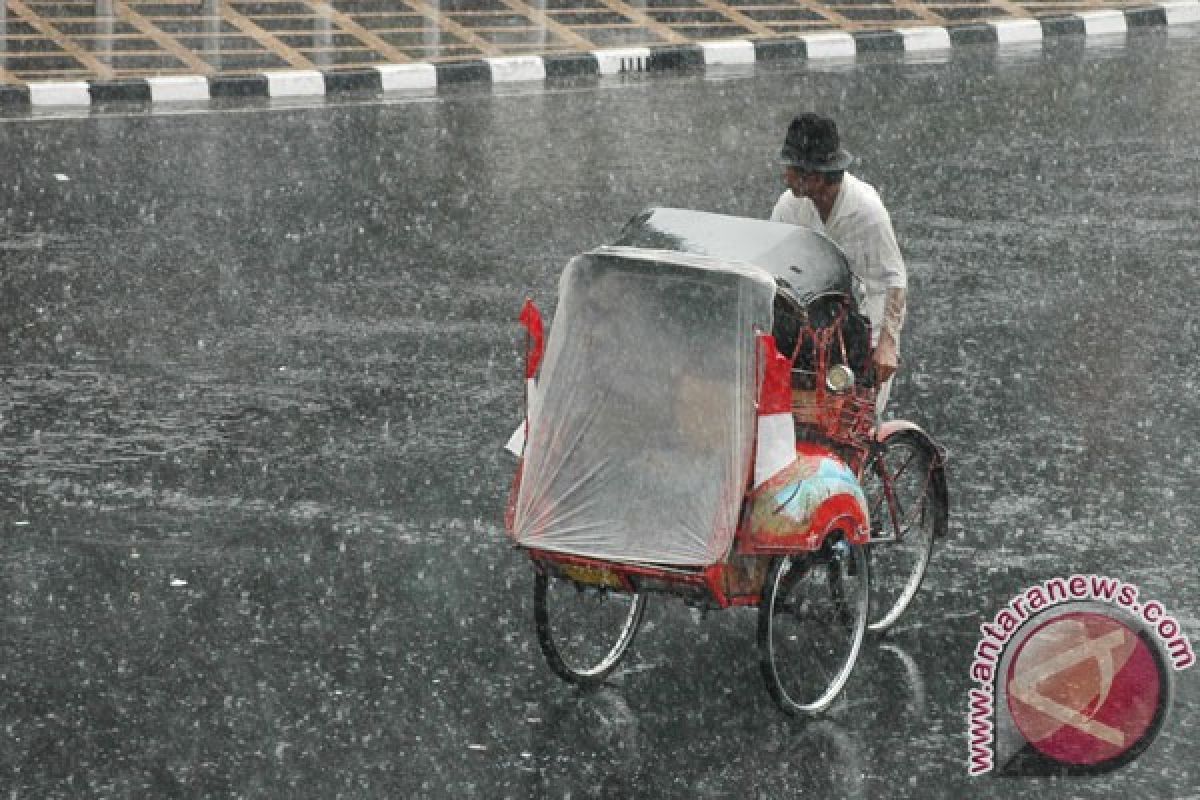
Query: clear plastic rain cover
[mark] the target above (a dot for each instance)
(641, 428)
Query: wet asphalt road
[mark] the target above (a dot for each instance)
(257, 368)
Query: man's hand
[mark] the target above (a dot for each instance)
(886, 358)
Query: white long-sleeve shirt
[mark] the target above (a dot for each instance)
(862, 227)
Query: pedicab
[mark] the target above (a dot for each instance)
(700, 423)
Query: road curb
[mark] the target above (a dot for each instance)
(430, 77)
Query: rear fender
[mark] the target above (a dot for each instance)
(801, 505)
(842, 513)
(895, 426)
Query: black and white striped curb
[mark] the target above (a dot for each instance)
(427, 77)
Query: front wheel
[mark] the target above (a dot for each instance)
(584, 630)
(907, 505)
(811, 624)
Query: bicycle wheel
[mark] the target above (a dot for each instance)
(903, 525)
(811, 624)
(584, 630)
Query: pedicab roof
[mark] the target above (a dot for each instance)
(804, 262)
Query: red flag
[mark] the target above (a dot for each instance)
(775, 396)
(531, 318)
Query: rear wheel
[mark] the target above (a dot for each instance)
(584, 630)
(811, 624)
(904, 524)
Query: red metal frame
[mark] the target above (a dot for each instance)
(710, 578)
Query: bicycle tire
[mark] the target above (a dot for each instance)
(584, 631)
(811, 624)
(899, 559)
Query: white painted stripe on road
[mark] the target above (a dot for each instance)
(832, 44)
(508, 69)
(1102, 23)
(625, 59)
(731, 52)
(404, 77)
(930, 37)
(177, 88)
(1181, 12)
(59, 93)
(1017, 31)
(295, 83)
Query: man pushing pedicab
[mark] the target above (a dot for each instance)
(822, 196)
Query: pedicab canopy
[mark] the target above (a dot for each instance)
(803, 262)
(641, 424)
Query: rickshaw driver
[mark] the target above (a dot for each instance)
(822, 196)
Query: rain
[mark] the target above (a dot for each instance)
(258, 365)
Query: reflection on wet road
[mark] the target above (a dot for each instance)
(257, 370)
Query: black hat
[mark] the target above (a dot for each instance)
(812, 145)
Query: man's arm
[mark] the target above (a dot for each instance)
(887, 352)
(885, 252)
